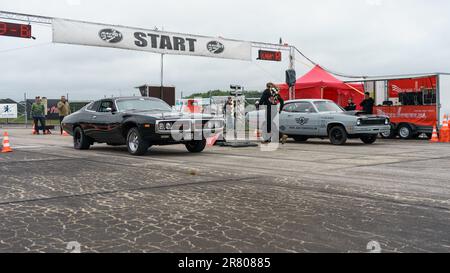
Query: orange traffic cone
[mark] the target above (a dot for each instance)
(445, 131)
(258, 134)
(434, 137)
(33, 130)
(6, 146)
(65, 133)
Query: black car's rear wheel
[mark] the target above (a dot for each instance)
(196, 146)
(80, 140)
(369, 139)
(135, 143)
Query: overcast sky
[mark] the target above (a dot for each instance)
(362, 37)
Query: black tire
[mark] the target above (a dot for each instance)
(405, 131)
(338, 135)
(136, 145)
(300, 138)
(369, 139)
(196, 146)
(80, 140)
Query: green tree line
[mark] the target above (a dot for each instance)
(220, 93)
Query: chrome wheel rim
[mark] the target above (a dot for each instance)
(404, 132)
(386, 134)
(133, 142)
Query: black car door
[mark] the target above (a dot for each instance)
(107, 122)
(86, 119)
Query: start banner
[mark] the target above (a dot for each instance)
(91, 34)
(422, 115)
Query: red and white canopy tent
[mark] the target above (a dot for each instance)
(319, 84)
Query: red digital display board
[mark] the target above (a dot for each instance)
(15, 30)
(266, 55)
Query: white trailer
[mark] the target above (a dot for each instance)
(443, 96)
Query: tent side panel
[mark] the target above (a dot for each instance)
(308, 93)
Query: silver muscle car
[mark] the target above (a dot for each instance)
(304, 119)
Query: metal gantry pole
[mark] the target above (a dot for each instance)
(162, 76)
(28, 18)
(292, 66)
(26, 111)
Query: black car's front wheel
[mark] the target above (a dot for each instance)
(80, 140)
(196, 146)
(135, 143)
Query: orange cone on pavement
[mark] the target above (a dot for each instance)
(6, 146)
(445, 131)
(65, 133)
(435, 137)
(258, 134)
(446, 125)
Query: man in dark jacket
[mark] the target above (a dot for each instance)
(367, 104)
(265, 97)
(269, 98)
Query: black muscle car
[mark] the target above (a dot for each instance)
(139, 122)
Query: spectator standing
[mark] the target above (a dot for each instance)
(64, 110)
(38, 115)
(351, 106)
(228, 110)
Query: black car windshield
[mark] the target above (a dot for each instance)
(327, 106)
(142, 104)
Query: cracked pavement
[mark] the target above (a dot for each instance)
(311, 197)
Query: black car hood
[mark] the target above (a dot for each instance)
(171, 115)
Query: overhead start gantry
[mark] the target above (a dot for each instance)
(141, 40)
